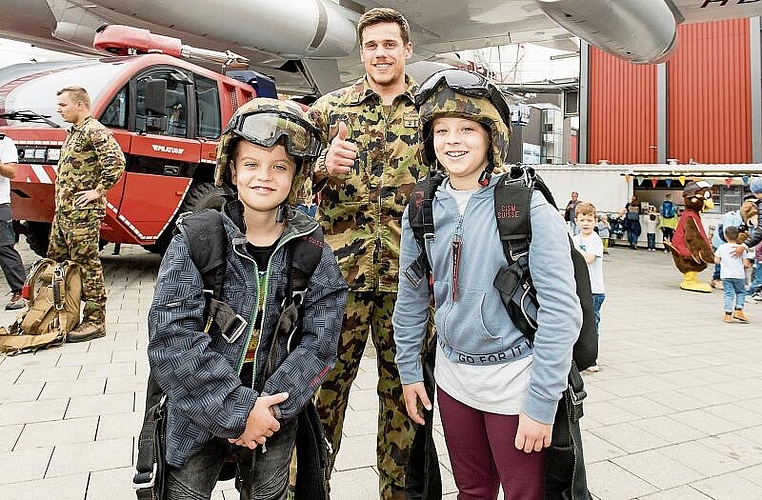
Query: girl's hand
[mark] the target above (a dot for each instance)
(412, 393)
(532, 435)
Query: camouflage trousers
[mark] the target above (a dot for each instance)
(370, 312)
(76, 238)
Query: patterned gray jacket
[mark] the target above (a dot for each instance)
(200, 372)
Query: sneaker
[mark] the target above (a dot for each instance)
(594, 369)
(86, 331)
(728, 318)
(16, 302)
(757, 297)
(717, 284)
(740, 316)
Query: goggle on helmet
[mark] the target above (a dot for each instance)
(265, 129)
(267, 122)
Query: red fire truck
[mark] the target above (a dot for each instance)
(166, 114)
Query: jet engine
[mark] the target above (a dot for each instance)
(292, 29)
(639, 31)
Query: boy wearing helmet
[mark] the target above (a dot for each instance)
(238, 395)
(489, 378)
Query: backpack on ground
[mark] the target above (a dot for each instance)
(565, 475)
(208, 242)
(668, 210)
(54, 291)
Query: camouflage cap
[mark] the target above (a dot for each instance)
(283, 123)
(446, 102)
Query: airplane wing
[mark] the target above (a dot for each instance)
(297, 41)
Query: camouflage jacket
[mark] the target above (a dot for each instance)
(361, 212)
(90, 159)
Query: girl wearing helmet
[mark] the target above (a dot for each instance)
(497, 393)
(237, 394)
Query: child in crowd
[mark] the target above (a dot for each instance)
(652, 221)
(604, 231)
(733, 277)
(307, 206)
(591, 247)
(497, 395)
(231, 392)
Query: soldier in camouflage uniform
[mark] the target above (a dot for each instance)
(365, 177)
(91, 163)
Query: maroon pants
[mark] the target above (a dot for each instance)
(483, 456)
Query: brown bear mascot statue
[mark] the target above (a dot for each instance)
(690, 247)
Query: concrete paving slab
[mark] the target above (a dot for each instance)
(33, 411)
(608, 480)
(678, 397)
(658, 469)
(24, 465)
(703, 458)
(9, 435)
(19, 393)
(728, 487)
(57, 432)
(93, 456)
(680, 493)
(102, 484)
(101, 404)
(72, 487)
(59, 389)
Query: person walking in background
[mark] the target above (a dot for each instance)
(569, 214)
(632, 220)
(591, 247)
(366, 175)
(652, 222)
(669, 219)
(497, 393)
(91, 163)
(733, 277)
(10, 260)
(604, 231)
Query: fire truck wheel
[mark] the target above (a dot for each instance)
(37, 236)
(201, 195)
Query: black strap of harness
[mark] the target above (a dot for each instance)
(304, 254)
(421, 218)
(513, 197)
(150, 454)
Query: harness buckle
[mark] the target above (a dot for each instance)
(517, 255)
(575, 397)
(238, 330)
(137, 484)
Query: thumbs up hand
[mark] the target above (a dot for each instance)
(341, 152)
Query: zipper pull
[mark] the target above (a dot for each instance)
(457, 244)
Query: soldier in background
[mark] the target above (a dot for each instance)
(366, 175)
(10, 260)
(91, 163)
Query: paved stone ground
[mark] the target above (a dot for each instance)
(675, 413)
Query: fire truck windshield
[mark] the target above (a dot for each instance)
(34, 86)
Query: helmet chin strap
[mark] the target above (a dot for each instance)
(486, 175)
(280, 215)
